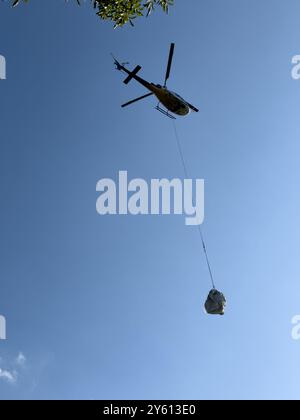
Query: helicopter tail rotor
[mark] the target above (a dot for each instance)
(119, 66)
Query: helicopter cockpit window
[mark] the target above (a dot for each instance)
(178, 96)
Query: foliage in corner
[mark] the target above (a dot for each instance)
(121, 11)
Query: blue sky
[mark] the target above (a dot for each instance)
(111, 307)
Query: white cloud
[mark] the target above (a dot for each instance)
(10, 370)
(21, 359)
(10, 377)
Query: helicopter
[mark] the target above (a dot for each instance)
(173, 102)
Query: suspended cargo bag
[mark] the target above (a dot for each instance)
(216, 303)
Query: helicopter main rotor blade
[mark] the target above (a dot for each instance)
(137, 99)
(171, 54)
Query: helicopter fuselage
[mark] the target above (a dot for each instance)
(171, 100)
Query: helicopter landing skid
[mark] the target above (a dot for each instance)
(166, 113)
